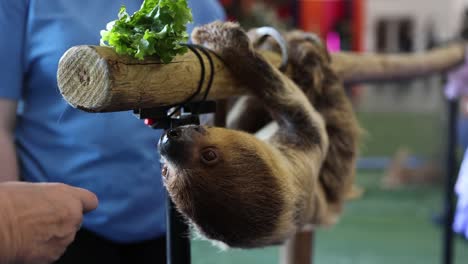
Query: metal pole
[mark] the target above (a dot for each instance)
(449, 200)
(177, 230)
(178, 236)
(299, 249)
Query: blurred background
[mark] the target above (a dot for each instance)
(401, 169)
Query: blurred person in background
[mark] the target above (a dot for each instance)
(457, 86)
(463, 119)
(42, 139)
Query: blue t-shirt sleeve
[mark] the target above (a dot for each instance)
(13, 15)
(204, 12)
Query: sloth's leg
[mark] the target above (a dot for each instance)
(301, 127)
(248, 114)
(312, 72)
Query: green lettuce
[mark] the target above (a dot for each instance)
(157, 29)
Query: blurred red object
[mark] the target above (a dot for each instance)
(320, 16)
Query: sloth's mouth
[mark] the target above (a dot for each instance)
(165, 171)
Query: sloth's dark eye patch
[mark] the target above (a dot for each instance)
(209, 156)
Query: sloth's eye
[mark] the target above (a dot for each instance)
(209, 156)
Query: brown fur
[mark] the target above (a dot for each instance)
(326, 92)
(310, 68)
(260, 192)
(224, 201)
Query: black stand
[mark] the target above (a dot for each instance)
(177, 231)
(177, 236)
(451, 170)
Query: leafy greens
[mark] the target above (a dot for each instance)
(157, 28)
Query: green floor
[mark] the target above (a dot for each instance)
(422, 133)
(384, 226)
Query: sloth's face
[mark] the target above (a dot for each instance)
(222, 180)
(188, 146)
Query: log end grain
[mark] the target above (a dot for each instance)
(83, 79)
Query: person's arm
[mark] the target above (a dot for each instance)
(39, 220)
(8, 162)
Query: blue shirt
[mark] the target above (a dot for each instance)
(111, 154)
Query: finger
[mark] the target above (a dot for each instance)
(88, 199)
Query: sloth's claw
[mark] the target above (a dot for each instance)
(222, 37)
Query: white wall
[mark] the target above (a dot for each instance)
(423, 95)
(454, 16)
(445, 15)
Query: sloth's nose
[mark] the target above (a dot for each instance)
(182, 135)
(177, 144)
(174, 133)
(185, 132)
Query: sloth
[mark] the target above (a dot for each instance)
(247, 192)
(310, 68)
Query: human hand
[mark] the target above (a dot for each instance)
(39, 220)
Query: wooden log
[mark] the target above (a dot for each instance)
(96, 79)
(367, 67)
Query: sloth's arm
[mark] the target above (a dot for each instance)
(300, 125)
(248, 114)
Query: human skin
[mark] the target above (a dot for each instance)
(39, 220)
